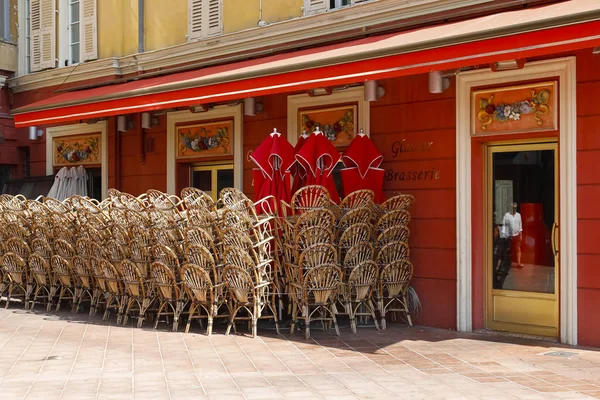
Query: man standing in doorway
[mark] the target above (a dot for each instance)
(512, 227)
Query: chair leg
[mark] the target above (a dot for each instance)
(405, 302)
(231, 319)
(255, 319)
(190, 317)
(372, 309)
(210, 325)
(28, 291)
(351, 316)
(158, 314)
(177, 310)
(382, 310)
(306, 313)
(335, 324)
(60, 296)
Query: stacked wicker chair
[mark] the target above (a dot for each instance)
(165, 258)
(393, 260)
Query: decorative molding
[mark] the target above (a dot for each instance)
(79, 129)
(174, 118)
(352, 95)
(343, 24)
(564, 70)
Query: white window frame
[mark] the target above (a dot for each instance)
(64, 34)
(23, 42)
(78, 129)
(233, 112)
(70, 27)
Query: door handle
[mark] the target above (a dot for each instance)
(554, 239)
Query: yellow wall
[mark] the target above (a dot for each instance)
(166, 23)
(243, 14)
(117, 28)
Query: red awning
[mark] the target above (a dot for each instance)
(560, 27)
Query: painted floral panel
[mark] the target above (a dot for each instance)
(205, 140)
(76, 150)
(338, 124)
(515, 109)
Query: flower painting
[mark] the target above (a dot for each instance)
(515, 109)
(77, 150)
(205, 139)
(338, 124)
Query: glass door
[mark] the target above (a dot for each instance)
(522, 219)
(211, 178)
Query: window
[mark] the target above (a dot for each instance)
(74, 21)
(5, 20)
(204, 19)
(211, 178)
(338, 3)
(316, 6)
(74, 29)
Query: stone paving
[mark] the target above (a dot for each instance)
(66, 356)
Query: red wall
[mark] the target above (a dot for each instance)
(588, 197)
(426, 124)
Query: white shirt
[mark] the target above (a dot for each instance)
(512, 225)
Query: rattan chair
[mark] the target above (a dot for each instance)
(316, 297)
(39, 271)
(15, 271)
(202, 294)
(167, 256)
(400, 233)
(393, 284)
(195, 197)
(18, 246)
(139, 291)
(140, 255)
(357, 293)
(393, 218)
(42, 248)
(171, 300)
(64, 281)
(84, 282)
(248, 294)
(393, 251)
(308, 198)
(356, 199)
(100, 289)
(398, 202)
(116, 296)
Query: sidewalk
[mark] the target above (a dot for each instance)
(66, 356)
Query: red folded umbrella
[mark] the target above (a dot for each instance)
(373, 180)
(274, 157)
(319, 157)
(362, 161)
(297, 171)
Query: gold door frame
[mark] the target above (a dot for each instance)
(214, 168)
(544, 301)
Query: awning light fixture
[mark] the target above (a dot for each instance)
(35, 133)
(373, 91)
(507, 65)
(438, 82)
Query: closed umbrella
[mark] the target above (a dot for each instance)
(274, 157)
(82, 178)
(362, 161)
(297, 171)
(319, 157)
(57, 188)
